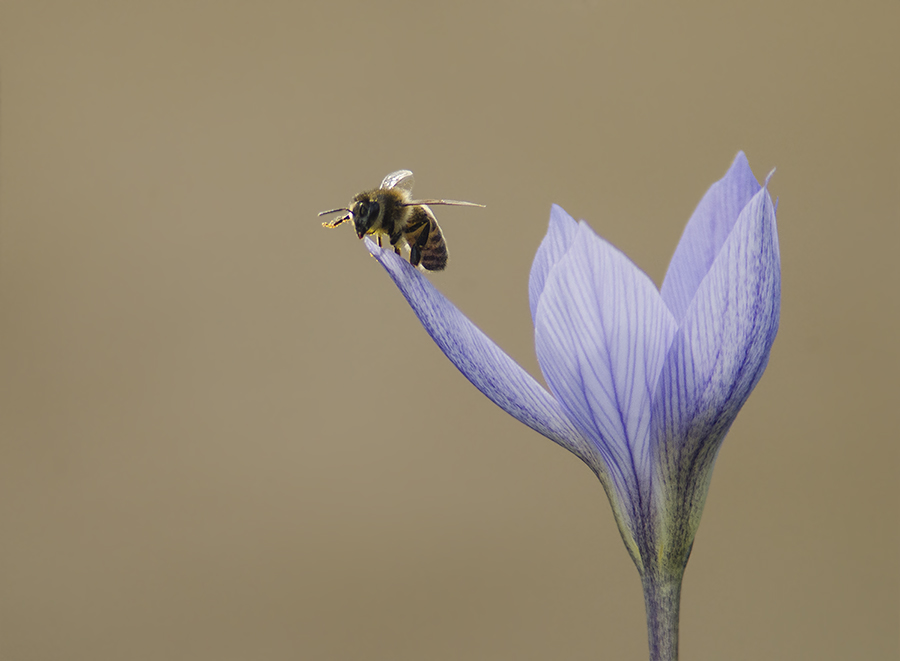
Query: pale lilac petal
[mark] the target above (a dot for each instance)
(601, 336)
(716, 359)
(559, 238)
(705, 233)
(481, 361)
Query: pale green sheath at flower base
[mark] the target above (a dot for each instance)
(644, 383)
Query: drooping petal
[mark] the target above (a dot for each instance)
(556, 243)
(716, 359)
(481, 361)
(705, 233)
(601, 335)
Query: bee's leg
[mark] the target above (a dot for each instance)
(334, 223)
(379, 240)
(417, 247)
(395, 240)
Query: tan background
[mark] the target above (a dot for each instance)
(225, 436)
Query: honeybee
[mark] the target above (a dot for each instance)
(390, 211)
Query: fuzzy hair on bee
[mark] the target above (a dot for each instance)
(390, 211)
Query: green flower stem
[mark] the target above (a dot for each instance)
(662, 598)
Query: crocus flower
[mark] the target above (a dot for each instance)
(643, 383)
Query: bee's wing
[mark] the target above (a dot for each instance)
(402, 179)
(448, 203)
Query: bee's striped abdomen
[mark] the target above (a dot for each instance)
(426, 242)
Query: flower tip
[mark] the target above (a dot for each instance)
(373, 247)
(769, 176)
(560, 221)
(379, 253)
(393, 263)
(558, 216)
(741, 159)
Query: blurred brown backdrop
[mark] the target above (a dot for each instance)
(197, 459)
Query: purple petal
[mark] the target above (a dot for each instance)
(716, 359)
(481, 361)
(601, 335)
(559, 238)
(705, 233)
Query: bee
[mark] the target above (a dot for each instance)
(389, 211)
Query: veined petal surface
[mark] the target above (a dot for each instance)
(706, 231)
(601, 335)
(716, 359)
(481, 361)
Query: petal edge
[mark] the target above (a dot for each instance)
(560, 235)
(705, 232)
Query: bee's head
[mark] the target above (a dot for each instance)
(365, 212)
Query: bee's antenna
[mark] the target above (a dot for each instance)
(325, 213)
